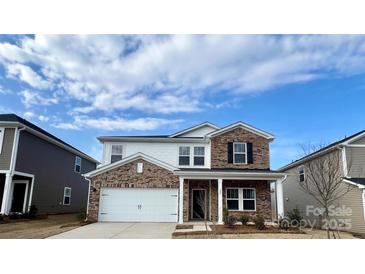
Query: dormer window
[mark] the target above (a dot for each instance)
(239, 153)
(117, 153)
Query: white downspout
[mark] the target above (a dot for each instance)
(280, 197)
(88, 198)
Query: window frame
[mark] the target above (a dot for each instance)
(200, 156)
(2, 133)
(111, 151)
(68, 196)
(75, 164)
(192, 155)
(241, 199)
(301, 172)
(245, 153)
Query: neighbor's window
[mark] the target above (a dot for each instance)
(301, 175)
(1, 138)
(233, 198)
(67, 196)
(117, 153)
(77, 164)
(241, 199)
(184, 156)
(239, 153)
(199, 153)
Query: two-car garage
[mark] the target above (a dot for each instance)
(138, 205)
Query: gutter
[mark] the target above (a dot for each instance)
(88, 197)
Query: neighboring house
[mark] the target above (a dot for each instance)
(352, 164)
(189, 175)
(36, 168)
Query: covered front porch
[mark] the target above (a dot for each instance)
(15, 192)
(205, 195)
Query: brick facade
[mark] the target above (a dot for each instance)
(260, 149)
(126, 176)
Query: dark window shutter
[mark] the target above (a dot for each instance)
(249, 153)
(230, 153)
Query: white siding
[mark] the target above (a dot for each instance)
(165, 152)
(199, 132)
(356, 161)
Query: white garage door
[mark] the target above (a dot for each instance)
(138, 205)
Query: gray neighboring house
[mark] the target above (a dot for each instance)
(37, 168)
(352, 152)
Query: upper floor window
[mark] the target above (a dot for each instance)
(199, 155)
(184, 155)
(2, 130)
(301, 175)
(239, 153)
(77, 164)
(67, 196)
(117, 153)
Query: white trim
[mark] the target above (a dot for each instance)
(207, 174)
(245, 153)
(111, 139)
(244, 126)
(191, 156)
(363, 202)
(192, 203)
(181, 200)
(6, 194)
(127, 160)
(220, 201)
(2, 133)
(75, 164)
(355, 145)
(344, 161)
(64, 195)
(354, 139)
(193, 128)
(210, 200)
(25, 193)
(353, 183)
(279, 193)
(88, 198)
(241, 199)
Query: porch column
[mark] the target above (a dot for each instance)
(220, 201)
(6, 199)
(279, 198)
(181, 200)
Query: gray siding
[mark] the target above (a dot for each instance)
(356, 162)
(5, 156)
(360, 141)
(53, 168)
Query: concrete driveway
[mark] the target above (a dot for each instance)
(120, 231)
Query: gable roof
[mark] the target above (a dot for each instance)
(129, 159)
(324, 150)
(214, 127)
(245, 126)
(13, 119)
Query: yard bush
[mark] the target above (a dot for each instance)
(32, 213)
(294, 215)
(259, 222)
(245, 219)
(82, 215)
(225, 215)
(231, 221)
(284, 223)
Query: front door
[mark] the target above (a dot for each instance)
(198, 204)
(18, 200)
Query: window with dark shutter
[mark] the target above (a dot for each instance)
(249, 153)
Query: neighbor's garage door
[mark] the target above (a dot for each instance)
(138, 205)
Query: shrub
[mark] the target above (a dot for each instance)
(82, 215)
(231, 221)
(245, 219)
(294, 215)
(225, 215)
(32, 213)
(259, 222)
(284, 223)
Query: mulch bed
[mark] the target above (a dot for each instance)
(239, 229)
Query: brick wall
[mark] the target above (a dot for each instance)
(126, 176)
(260, 149)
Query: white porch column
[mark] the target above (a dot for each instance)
(6, 194)
(279, 198)
(181, 200)
(220, 201)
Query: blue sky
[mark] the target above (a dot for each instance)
(303, 89)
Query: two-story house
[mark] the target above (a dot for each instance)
(37, 168)
(189, 175)
(351, 157)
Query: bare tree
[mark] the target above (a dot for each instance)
(201, 201)
(323, 179)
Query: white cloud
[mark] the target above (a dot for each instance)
(43, 118)
(4, 91)
(26, 74)
(169, 74)
(30, 98)
(28, 115)
(116, 123)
